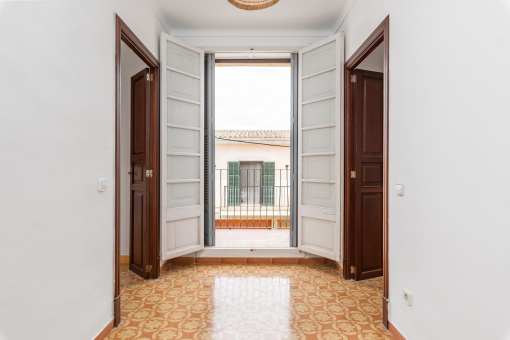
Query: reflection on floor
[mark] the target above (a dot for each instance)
(251, 238)
(250, 302)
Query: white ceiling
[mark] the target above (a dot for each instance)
(292, 16)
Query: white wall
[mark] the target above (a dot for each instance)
(230, 152)
(56, 142)
(374, 61)
(140, 17)
(449, 145)
(131, 64)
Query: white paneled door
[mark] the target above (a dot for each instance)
(182, 149)
(320, 143)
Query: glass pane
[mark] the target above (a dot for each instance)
(318, 195)
(182, 86)
(183, 194)
(320, 86)
(182, 113)
(183, 140)
(319, 113)
(183, 59)
(319, 59)
(319, 140)
(319, 167)
(183, 167)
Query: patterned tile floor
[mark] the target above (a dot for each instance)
(250, 302)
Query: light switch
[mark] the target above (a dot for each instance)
(102, 185)
(400, 189)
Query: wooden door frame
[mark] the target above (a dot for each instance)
(379, 36)
(124, 34)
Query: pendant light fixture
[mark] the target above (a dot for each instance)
(253, 5)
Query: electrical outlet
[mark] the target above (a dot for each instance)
(408, 297)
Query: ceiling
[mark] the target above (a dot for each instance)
(213, 16)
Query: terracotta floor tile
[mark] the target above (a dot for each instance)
(233, 260)
(187, 260)
(208, 260)
(283, 260)
(250, 302)
(258, 260)
(313, 260)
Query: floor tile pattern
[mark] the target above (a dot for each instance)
(250, 302)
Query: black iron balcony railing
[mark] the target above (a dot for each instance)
(243, 203)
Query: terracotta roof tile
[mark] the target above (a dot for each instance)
(253, 134)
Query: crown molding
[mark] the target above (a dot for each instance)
(343, 14)
(156, 7)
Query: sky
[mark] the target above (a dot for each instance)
(252, 98)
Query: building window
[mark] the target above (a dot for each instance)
(251, 183)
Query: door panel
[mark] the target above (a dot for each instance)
(182, 133)
(319, 113)
(137, 220)
(183, 86)
(139, 196)
(319, 140)
(181, 113)
(319, 167)
(319, 86)
(368, 160)
(319, 59)
(183, 59)
(320, 146)
(371, 233)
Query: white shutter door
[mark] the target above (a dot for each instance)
(320, 147)
(182, 148)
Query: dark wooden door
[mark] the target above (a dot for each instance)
(140, 127)
(368, 161)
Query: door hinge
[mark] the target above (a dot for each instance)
(148, 268)
(353, 270)
(148, 173)
(353, 78)
(150, 77)
(353, 174)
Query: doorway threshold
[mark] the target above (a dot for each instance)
(253, 252)
(252, 238)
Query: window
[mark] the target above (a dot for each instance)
(251, 183)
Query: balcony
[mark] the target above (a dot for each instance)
(252, 208)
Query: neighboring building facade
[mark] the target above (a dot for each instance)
(252, 178)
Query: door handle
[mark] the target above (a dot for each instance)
(130, 173)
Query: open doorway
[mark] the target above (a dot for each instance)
(188, 215)
(366, 130)
(135, 89)
(367, 160)
(252, 153)
(136, 160)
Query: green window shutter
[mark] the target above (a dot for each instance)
(268, 183)
(234, 192)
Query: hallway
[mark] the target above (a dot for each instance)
(243, 302)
